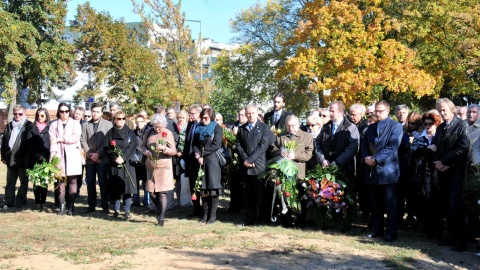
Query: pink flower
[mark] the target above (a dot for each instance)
(287, 193)
(113, 143)
(164, 134)
(278, 183)
(194, 197)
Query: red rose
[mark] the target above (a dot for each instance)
(194, 197)
(113, 143)
(164, 134)
(278, 182)
(287, 193)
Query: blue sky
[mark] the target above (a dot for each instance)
(214, 14)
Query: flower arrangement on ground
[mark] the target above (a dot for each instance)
(45, 173)
(282, 175)
(329, 203)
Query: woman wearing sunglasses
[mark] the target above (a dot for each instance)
(120, 144)
(65, 135)
(422, 155)
(38, 145)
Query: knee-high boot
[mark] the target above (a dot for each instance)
(205, 203)
(213, 209)
(71, 204)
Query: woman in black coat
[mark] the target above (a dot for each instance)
(120, 144)
(422, 156)
(38, 147)
(207, 140)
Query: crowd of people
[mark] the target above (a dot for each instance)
(409, 165)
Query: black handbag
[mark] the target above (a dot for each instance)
(137, 159)
(221, 158)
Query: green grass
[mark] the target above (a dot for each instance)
(87, 239)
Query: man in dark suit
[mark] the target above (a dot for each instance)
(92, 140)
(253, 140)
(380, 153)
(338, 141)
(452, 145)
(14, 155)
(188, 156)
(278, 115)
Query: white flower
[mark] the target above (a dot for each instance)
(46, 182)
(304, 185)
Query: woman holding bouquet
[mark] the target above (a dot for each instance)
(120, 144)
(38, 145)
(159, 147)
(422, 155)
(65, 135)
(207, 140)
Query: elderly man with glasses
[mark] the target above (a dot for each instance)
(13, 155)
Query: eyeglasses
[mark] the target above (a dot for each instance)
(323, 115)
(370, 113)
(87, 116)
(427, 124)
(206, 118)
(61, 111)
(380, 111)
(311, 125)
(42, 115)
(18, 114)
(121, 118)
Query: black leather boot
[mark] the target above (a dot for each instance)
(213, 209)
(205, 210)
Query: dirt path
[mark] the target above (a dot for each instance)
(269, 258)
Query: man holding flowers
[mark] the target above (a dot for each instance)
(297, 146)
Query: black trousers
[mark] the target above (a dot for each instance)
(384, 199)
(253, 198)
(451, 205)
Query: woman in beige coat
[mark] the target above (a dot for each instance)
(159, 147)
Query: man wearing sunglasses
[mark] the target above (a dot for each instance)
(14, 155)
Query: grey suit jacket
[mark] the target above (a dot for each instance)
(93, 142)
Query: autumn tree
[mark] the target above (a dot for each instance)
(343, 46)
(180, 58)
(445, 35)
(32, 52)
(117, 58)
(247, 74)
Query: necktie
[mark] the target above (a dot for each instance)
(250, 126)
(275, 118)
(334, 128)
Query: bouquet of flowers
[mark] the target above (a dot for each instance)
(328, 196)
(283, 176)
(228, 138)
(198, 184)
(119, 153)
(277, 131)
(44, 173)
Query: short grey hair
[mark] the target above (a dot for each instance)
(19, 107)
(447, 101)
(292, 117)
(359, 107)
(115, 105)
(401, 107)
(474, 106)
(250, 106)
(159, 119)
(196, 107)
(313, 118)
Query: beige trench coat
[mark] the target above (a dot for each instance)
(159, 175)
